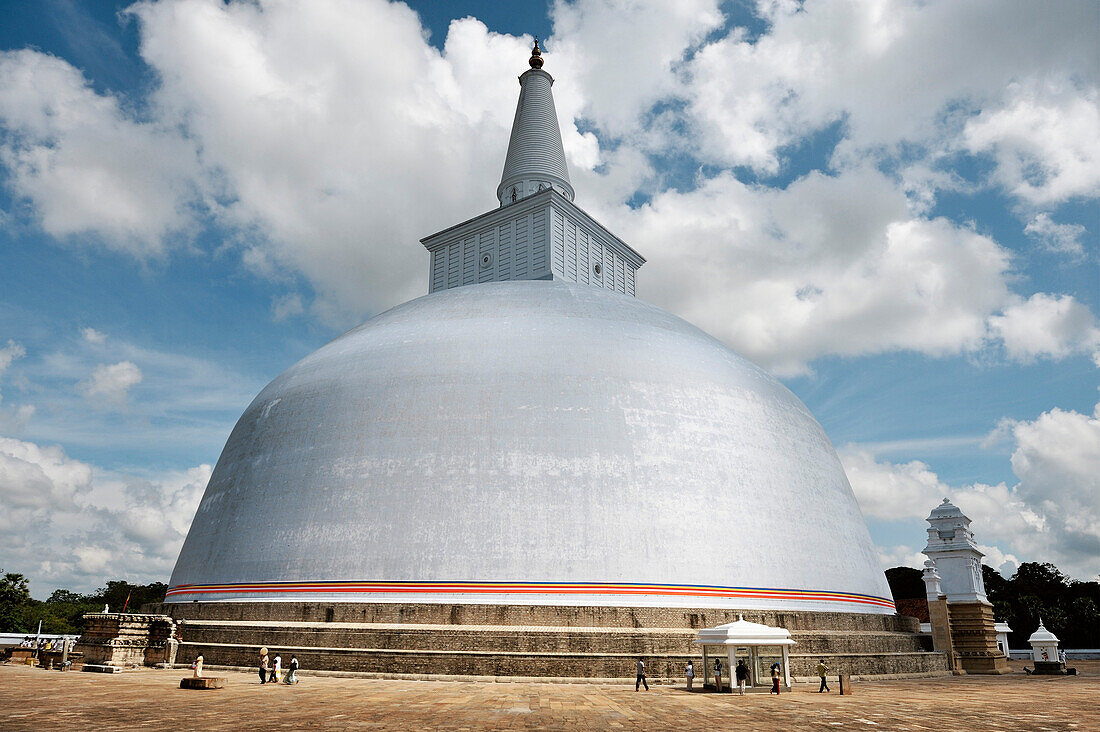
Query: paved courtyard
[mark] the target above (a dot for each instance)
(37, 699)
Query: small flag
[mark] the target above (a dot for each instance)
(127, 600)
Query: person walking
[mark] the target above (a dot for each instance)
(198, 667)
(822, 669)
(718, 674)
(641, 676)
(265, 665)
(290, 669)
(277, 669)
(775, 679)
(690, 674)
(741, 673)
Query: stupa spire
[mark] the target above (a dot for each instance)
(536, 158)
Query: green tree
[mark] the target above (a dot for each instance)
(1083, 616)
(65, 597)
(1041, 580)
(119, 593)
(996, 586)
(905, 583)
(15, 599)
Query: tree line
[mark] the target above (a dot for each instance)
(1069, 608)
(64, 610)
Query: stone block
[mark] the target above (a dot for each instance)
(1049, 668)
(19, 655)
(845, 684)
(99, 668)
(203, 682)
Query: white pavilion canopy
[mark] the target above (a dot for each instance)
(749, 639)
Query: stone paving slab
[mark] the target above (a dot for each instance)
(32, 699)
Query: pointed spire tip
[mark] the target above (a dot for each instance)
(536, 56)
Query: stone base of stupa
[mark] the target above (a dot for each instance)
(529, 641)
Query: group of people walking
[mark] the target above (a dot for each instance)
(272, 672)
(740, 675)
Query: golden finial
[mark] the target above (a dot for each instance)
(536, 56)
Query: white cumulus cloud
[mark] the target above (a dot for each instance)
(69, 524)
(86, 165)
(13, 419)
(110, 384)
(10, 353)
(91, 335)
(1046, 143)
(1050, 326)
(831, 264)
(1064, 238)
(286, 307)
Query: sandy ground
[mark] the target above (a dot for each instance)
(151, 699)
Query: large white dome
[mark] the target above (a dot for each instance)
(530, 442)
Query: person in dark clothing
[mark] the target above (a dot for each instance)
(822, 669)
(265, 664)
(742, 675)
(641, 676)
(775, 679)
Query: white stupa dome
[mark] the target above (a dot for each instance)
(535, 442)
(530, 433)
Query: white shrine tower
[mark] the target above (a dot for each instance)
(960, 613)
(951, 547)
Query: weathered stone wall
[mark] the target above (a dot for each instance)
(569, 665)
(529, 641)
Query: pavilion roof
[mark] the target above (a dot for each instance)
(743, 633)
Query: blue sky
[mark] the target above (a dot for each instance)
(891, 205)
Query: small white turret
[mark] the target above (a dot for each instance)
(931, 577)
(1044, 645)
